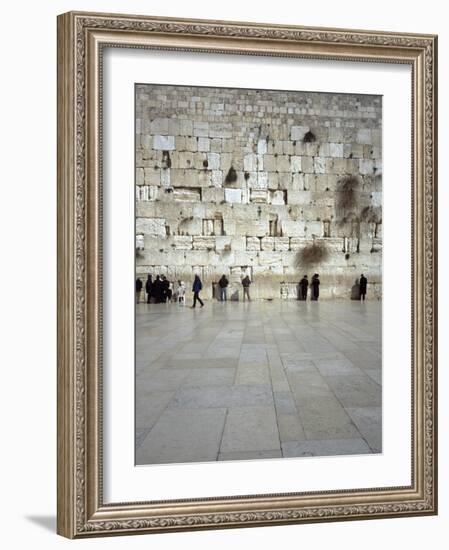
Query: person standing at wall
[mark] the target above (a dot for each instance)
(149, 287)
(181, 293)
(165, 288)
(139, 286)
(196, 288)
(223, 284)
(315, 284)
(363, 284)
(246, 282)
(157, 290)
(303, 286)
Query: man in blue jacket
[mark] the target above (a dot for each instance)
(197, 286)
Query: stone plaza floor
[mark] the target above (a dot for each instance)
(236, 381)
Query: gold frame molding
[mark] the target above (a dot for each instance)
(81, 37)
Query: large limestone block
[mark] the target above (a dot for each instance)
(319, 165)
(314, 228)
(364, 135)
(152, 176)
(182, 242)
(252, 243)
(164, 143)
(297, 133)
(299, 197)
(267, 243)
(295, 161)
(366, 166)
(185, 127)
(283, 163)
(277, 197)
(336, 150)
(203, 144)
(233, 195)
(259, 195)
(220, 130)
(200, 129)
(151, 226)
(197, 257)
(246, 258)
(298, 243)
(203, 243)
(270, 258)
(223, 242)
(213, 161)
(253, 228)
(186, 194)
(307, 165)
(250, 162)
(212, 194)
(262, 146)
(269, 162)
(293, 228)
(159, 126)
(190, 226)
(281, 243)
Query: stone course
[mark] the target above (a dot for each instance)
(240, 181)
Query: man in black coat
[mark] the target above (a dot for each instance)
(303, 285)
(157, 290)
(223, 284)
(139, 286)
(315, 284)
(363, 283)
(165, 288)
(149, 287)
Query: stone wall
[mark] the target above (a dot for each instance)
(273, 184)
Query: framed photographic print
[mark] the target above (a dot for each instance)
(247, 274)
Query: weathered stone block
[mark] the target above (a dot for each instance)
(213, 160)
(203, 144)
(299, 197)
(283, 163)
(203, 243)
(164, 143)
(293, 228)
(262, 146)
(319, 165)
(201, 129)
(314, 228)
(259, 195)
(151, 226)
(185, 127)
(220, 130)
(233, 195)
(336, 150)
(295, 163)
(277, 197)
(364, 135)
(250, 162)
(252, 243)
(267, 243)
(181, 242)
(366, 166)
(281, 243)
(212, 194)
(270, 258)
(159, 126)
(297, 133)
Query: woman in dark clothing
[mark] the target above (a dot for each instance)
(196, 288)
(165, 285)
(315, 284)
(157, 290)
(303, 284)
(149, 287)
(139, 286)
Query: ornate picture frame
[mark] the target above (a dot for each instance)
(82, 38)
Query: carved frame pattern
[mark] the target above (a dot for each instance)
(81, 37)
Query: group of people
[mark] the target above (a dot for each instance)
(315, 287)
(223, 284)
(161, 290)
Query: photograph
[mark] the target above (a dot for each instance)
(258, 274)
